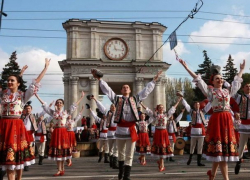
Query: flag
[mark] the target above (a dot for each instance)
(173, 40)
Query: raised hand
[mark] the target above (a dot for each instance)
(47, 62)
(157, 75)
(82, 95)
(23, 69)
(242, 65)
(51, 103)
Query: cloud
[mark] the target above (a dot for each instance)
(169, 55)
(222, 29)
(4, 58)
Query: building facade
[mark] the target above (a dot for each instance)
(119, 50)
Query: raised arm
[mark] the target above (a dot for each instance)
(41, 75)
(178, 101)
(46, 108)
(180, 116)
(100, 106)
(22, 71)
(78, 117)
(186, 105)
(242, 67)
(149, 88)
(97, 119)
(183, 63)
(82, 95)
(236, 84)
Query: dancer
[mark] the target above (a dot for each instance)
(60, 145)
(40, 136)
(244, 127)
(70, 124)
(161, 147)
(197, 130)
(16, 153)
(172, 129)
(103, 138)
(220, 143)
(31, 127)
(113, 153)
(126, 115)
(143, 144)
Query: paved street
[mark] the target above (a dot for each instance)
(87, 168)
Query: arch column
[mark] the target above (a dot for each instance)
(157, 93)
(93, 91)
(74, 92)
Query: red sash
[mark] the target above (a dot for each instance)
(30, 136)
(245, 121)
(173, 136)
(112, 128)
(197, 125)
(104, 131)
(131, 126)
(41, 137)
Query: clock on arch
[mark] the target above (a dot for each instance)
(116, 49)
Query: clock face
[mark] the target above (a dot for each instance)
(116, 49)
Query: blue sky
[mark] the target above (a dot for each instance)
(220, 18)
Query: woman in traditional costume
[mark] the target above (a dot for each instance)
(161, 147)
(220, 140)
(60, 149)
(15, 152)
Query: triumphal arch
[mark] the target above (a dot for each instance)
(119, 50)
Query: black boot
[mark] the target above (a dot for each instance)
(2, 173)
(171, 159)
(40, 160)
(111, 161)
(190, 159)
(120, 175)
(127, 170)
(237, 167)
(26, 168)
(106, 158)
(100, 157)
(115, 163)
(199, 160)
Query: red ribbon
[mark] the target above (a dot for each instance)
(41, 137)
(197, 125)
(104, 131)
(30, 136)
(245, 121)
(173, 136)
(131, 126)
(112, 128)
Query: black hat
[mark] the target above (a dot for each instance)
(89, 96)
(98, 73)
(87, 106)
(215, 69)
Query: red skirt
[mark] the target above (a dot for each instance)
(220, 140)
(59, 145)
(143, 144)
(15, 152)
(72, 139)
(161, 145)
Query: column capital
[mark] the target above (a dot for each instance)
(65, 80)
(93, 81)
(74, 79)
